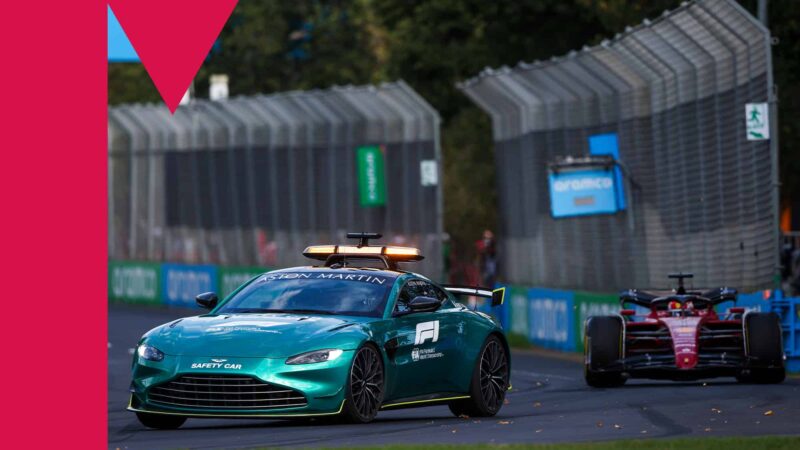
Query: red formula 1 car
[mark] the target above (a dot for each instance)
(683, 337)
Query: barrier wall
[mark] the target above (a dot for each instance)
(251, 181)
(548, 318)
(668, 98)
(171, 284)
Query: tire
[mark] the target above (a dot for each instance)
(160, 421)
(602, 349)
(489, 383)
(764, 349)
(365, 386)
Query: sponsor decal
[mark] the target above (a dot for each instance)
(234, 328)
(217, 364)
(426, 331)
(262, 327)
(418, 354)
(583, 184)
(329, 276)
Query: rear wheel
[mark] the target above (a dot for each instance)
(489, 382)
(364, 392)
(602, 349)
(764, 349)
(160, 421)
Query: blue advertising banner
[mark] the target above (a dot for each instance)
(182, 282)
(608, 144)
(582, 192)
(119, 47)
(550, 318)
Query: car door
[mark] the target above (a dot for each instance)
(425, 343)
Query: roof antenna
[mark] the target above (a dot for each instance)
(363, 238)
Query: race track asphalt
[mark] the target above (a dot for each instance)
(549, 403)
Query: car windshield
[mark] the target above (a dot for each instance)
(341, 293)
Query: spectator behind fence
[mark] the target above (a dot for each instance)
(487, 259)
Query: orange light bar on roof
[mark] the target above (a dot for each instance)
(320, 249)
(401, 251)
(355, 250)
(322, 252)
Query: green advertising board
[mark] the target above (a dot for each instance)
(517, 301)
(587, 304)
(231, 278)
(134, 282)
(371, 176)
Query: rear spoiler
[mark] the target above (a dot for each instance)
(497, 295)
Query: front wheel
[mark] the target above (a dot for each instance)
(603, 349)
(160, 421)
(764, 345)
(489, 382)
(364, 392)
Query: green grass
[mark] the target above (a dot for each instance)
(702, 443)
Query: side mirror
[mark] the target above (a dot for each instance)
(627, 312)
(424, 304)
(207, 300)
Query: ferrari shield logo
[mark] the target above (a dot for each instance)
(427, 331)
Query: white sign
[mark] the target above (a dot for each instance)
(757, 119)
(218, 87)
(429, 172)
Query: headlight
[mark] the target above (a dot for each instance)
(149, 353)
(316, 356)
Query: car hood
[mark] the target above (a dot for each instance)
(256, 335)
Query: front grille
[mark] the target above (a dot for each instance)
(224, 392)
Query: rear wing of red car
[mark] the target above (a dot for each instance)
(496, 295)
(646, 299)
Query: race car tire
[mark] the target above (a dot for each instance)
(365, 386)
(160, 421)
(602, 348)
(489, 382)
(764, 348)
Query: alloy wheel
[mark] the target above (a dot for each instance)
(494, 375)
(366, 382)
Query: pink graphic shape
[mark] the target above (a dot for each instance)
(172, 38)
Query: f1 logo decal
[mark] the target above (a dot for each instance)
(427, 331)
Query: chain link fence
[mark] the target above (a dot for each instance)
(254, 180)
(703, 197)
